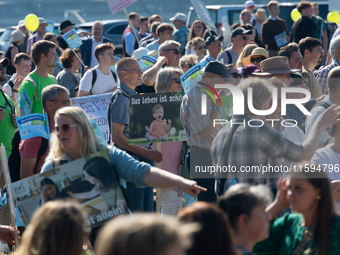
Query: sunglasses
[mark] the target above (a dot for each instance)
(176, 51)
(236, 75)
(200, 47)
(259, 59)
(189, 65)
(65, 128)
(244, 38)
(177, 80)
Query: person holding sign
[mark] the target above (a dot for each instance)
(74, 139)
(129, 41)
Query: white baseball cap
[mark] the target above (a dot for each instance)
(137, 54)
(21, 23)
(249, 4)
(179, 16)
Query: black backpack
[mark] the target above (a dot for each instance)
(94, 77)
(14, 159)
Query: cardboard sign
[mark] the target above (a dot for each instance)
(202, 13)
(155, 118)
(118, 5)
(33, 125)
(25, 103)
(72, 39)
(281, 39)
(50, 26)
(100, 200)
(146, 62)
(192, 76)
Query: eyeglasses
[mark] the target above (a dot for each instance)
(65, 128)
(200, 47)
(259, 59)
(137, 71)
(177, 80)
(66, 102)
(236, 75)
(176, 51)
(320, 51)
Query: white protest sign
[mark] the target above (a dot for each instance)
(202, 13)
(96, 109)
(118, 5)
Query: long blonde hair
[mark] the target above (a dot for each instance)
(245, 53)
(88, 141)
(56, 228)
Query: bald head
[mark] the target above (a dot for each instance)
(333, 80)
(123, 65)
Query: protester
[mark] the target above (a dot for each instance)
(199, 129)
(304, 26)
(258, 22)
(164, 32)
(272, 27)
(44, 57)
(100, 79)
(291, 51)
(197, 30)
(41, 30)
(144, 27)
(61, 230)
(333, 97)
(322, 74)
(234, 74)
(129, 41)
(89, 45)
(261, 144)
(187, 61)
(321, 31)
(24, 30)
(311, 51)
(247, 50)
(142, 234)
(213, 44)
(152, 35)
(250, 6)
(168, 80)
(23, 65)
(53, 97)
(253, 37)
(58, 67)
(245, 16)
(214, 235)
(17, 39)
(169, 55)
(66, 26)
(245, 207)
(198, 45)
(257, 55)
(314, 227)
(239, 39)
(68, 77)
(4, 78)
(181, 35)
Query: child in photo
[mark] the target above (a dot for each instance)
(159, 128)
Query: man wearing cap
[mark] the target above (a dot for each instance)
(24, 30)
(17, 39)
(239, 39)
(90, 44)
(41, 31)
(213, 44)
(129, 42)
(64, 27)
(199, 128)
(250, 5)
(272, 27)
(181, 35)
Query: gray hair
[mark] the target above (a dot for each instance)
(123, 64)
(164, 78)
(167, 45)
(334, 45)
(51, 92)
(97, 22)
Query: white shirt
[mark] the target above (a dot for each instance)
(274, 18)
(153, 46)
(94, 61)
(103, 84)
(328, 158)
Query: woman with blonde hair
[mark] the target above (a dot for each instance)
(247, 50)
(56, 228)
(187, 61)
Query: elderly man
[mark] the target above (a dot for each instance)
(182, 32)
(213, 44)
(322, 73)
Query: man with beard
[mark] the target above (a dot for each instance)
(44, 57)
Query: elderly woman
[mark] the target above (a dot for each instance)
(74, 138)
(168, 80)
(68, 77)
(17, 39)
(187, 61)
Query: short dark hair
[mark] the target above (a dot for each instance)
(303, 5)
(41, 47)
(309, 44)
(164, 27)
(152, 19)
(20, 57)
(154, 26)
(234, 26)
(143, 18)
(247, 26)
(288, 50)
(99, 50)
(133, 15)
(66, 58)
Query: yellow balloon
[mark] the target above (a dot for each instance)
(31, 22)
(295, 14)
(333, 17)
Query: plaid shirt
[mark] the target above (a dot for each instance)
(192, 119)
(253, 146)
(181, 36)
(322, 74)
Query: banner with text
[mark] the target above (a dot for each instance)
(118, 5)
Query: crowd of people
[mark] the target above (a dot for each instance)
(282, 212)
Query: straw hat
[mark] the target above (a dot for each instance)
(261, 14)
(259, 52)
(275, 65)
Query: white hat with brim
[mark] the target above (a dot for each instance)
(137, 54)
(275, 65)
